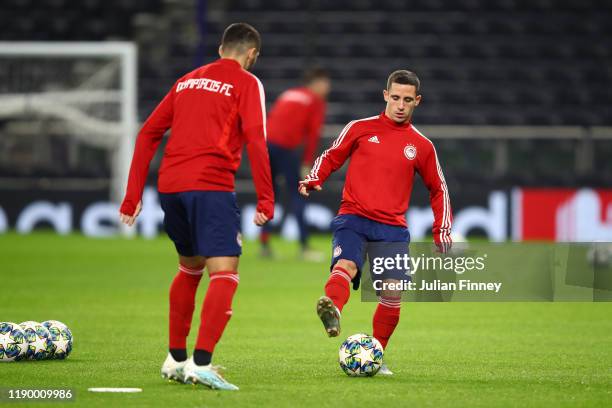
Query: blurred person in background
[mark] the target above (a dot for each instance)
(294, 130)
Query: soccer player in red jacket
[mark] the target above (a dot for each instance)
(295, 122)
(385, 153)
(213, 112)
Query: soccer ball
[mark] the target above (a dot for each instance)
(361, 355)
(13, 344)
(37, 337)
(61, 339)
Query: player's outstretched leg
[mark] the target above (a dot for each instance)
(384, 322)
(337, 292)
(182, 303)
(329, 315)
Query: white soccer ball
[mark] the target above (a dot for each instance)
(40, 346)
(61, 339)
(13, 344)
(361, 355)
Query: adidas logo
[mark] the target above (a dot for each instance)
(374, 139)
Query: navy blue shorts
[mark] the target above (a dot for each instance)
(205, 223)
(356, 237)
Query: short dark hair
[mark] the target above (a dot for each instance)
(241, 37)
(315, 73)
(404, 77)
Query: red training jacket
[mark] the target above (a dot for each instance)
(295, 119)
(384, 156)
(213, 111)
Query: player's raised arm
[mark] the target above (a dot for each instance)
(331, 160)
(431, 172)
(148, 140)
(253, 115)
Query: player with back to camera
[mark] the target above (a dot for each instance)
(295, 121)
(213, 112)
(385, 153)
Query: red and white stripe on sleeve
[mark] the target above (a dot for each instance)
(262, 104)
(431, 171)
(253, 120)
(254, 128)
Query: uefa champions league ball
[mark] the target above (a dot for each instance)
(13, 344)
(40, 347)
(361, 355)
(61, 339)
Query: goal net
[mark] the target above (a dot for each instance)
(68, 113)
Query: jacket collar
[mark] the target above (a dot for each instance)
(391, 123)
(229, 62)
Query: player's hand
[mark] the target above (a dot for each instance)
(304, 188)
(131, 219)
(260, 219)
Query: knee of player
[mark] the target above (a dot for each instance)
(392, 288)
(222, 264)
(392, 294)
(192, 262)
(349, 266)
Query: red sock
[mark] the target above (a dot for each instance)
(217, 309)
(337, 286)
(264, 237)
(182, 303)
(386, 318)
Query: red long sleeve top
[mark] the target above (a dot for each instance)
(384, 157)
(213, 112)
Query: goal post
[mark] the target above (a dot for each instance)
(87, 91)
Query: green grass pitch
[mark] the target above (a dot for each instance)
(113, 295)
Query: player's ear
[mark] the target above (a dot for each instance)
(417, 100)
(252, 53)
(221, 51)
(386, 95)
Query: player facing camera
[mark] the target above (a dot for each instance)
(385, 152)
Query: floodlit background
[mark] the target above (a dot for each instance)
(516, 97)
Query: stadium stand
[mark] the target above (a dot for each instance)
(503, 62)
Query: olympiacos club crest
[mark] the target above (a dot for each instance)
(410, 152)
(337, 251)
